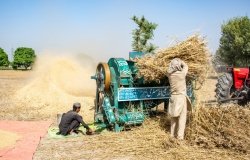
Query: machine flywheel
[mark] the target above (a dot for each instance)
(103, 74)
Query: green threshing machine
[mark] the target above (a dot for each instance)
(124, 99)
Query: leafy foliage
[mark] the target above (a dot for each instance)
(23, 57)
(142, 34)
(235, 42)
(3, 58)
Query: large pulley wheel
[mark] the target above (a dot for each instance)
(102, 85)
(103, 75)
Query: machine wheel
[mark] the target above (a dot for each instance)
(102, 83)
(224, 87)
(103, 74)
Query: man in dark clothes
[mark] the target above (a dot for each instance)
(71, 121)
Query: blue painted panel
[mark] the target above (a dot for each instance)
(135, 54)
(144, 93)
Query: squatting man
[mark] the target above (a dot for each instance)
(179, 102)
(71, 121)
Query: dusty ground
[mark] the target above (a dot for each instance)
(149, 141)
(10, 82)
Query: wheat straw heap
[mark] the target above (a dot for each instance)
(222, 127)
(193, 51)
(209, 127)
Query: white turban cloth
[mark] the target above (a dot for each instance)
(174, 65)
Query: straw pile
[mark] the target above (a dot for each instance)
(222, 127)
(193, 51)
(146, 142)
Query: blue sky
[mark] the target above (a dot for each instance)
(102, 28)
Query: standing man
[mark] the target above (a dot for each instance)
(177, 109)
(71, 121)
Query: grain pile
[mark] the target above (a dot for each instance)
(193, 51)
(8, 139)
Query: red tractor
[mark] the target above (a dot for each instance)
(234, 85)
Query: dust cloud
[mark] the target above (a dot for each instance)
(64, 74)
(56, 82)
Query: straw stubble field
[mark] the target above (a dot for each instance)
(221, 140)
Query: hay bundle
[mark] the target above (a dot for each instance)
(220, 127)
(193, 51)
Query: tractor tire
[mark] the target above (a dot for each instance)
(223, 87)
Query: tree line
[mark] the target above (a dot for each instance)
(23, 58)
(234, 46)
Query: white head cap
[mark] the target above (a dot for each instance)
(174, 65)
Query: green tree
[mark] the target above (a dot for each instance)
(3, 58)
(23, 57)
(142, 35)
(234, 46)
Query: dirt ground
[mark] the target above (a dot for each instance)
(145, 142)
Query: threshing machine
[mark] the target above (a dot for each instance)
(122, 98)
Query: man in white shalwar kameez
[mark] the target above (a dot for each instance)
(178, 102)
